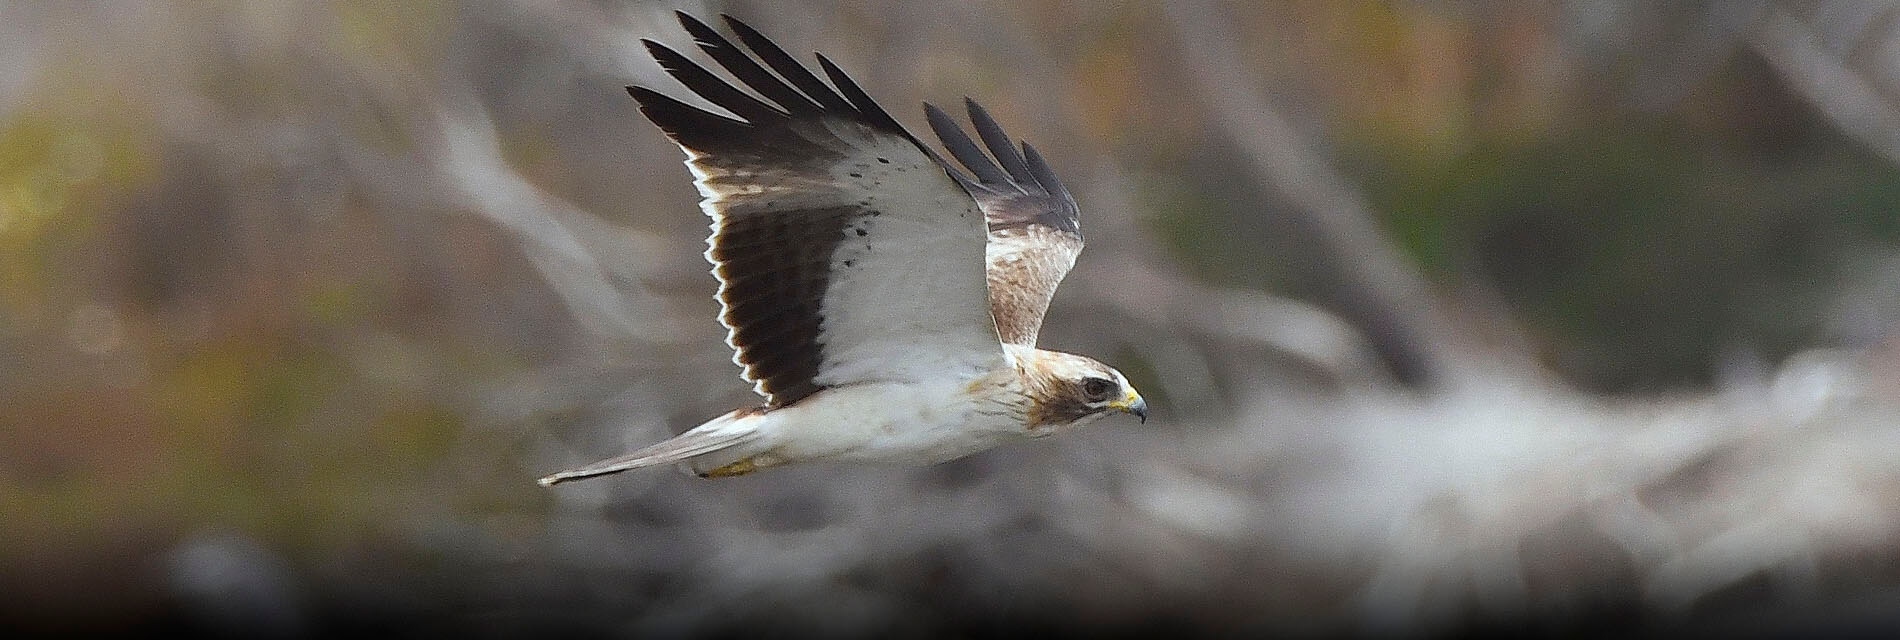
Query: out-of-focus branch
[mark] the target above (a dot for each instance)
(1714, 37)
(470, 160)
(1388, 297)
(460, 152)
(20, 46)
(1845, 96)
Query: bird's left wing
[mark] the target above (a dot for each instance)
(845, 252)
(1034, 225)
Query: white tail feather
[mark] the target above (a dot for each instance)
(701, 440)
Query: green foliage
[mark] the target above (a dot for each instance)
(1640, 248)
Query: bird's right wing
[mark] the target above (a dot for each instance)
(845, 252)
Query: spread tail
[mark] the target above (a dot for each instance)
(698, 441)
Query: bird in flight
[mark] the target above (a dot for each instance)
(884, 302)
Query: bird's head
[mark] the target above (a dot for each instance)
(1068, 390)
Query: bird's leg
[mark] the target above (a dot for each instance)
(738, 468)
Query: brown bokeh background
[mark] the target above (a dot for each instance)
(1453, 315)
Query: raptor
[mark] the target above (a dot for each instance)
(884, 300)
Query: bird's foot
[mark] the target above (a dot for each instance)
(741, 467)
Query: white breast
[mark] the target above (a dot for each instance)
(922, 423)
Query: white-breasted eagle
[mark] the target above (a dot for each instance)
(884, 302)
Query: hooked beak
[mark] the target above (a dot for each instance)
(1132, 403)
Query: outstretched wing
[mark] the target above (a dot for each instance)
(845, 253)
(1034, 227)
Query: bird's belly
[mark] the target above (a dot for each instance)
(906, 423)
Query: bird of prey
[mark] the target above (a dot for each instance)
(884, 302)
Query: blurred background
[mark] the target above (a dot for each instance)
(1577, 315)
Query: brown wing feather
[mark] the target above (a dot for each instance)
(772, 269)
(1034, 224)
(1025, 265)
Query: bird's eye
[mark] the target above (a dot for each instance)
(1098, 389)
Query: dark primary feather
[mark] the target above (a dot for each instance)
(867, 108)
(748, 71)
(1046, 178)
(710, 87)
(998, 142)
(962, 148)
(785, 65)
(764, 131)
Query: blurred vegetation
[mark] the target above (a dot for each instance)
(1640, 245)
(217, 315)
(1643, 248)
